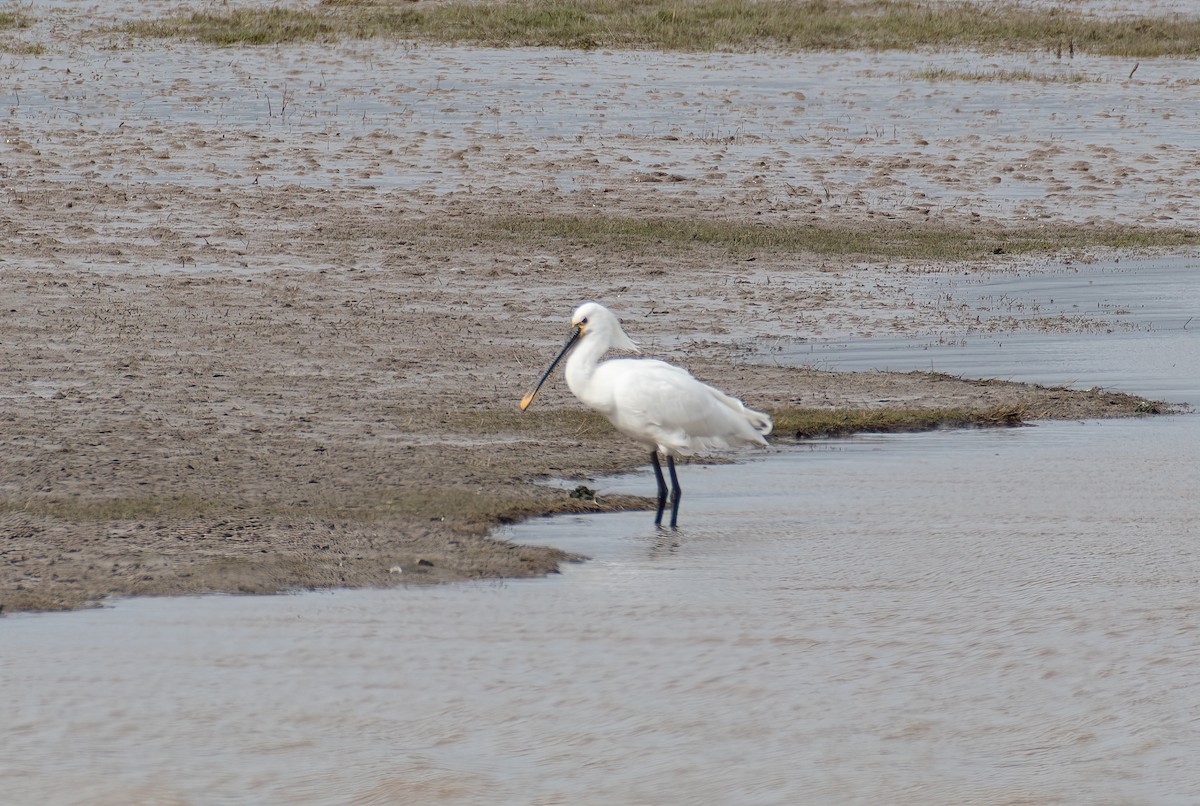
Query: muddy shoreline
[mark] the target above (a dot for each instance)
(183, 415)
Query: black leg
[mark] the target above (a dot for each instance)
(662, 486)
(675, 491)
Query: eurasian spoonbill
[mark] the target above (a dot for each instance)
(661, 406)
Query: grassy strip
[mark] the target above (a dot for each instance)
(269, 26)
(260, 26)
(101, 510)
(890, 239)
(698, 25)
(799, 423)
(22, 48)
(465, 505)
(1006, 76)
(809, 423)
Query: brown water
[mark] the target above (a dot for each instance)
(958, 617)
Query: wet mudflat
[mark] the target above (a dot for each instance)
(878, 133)
(263, 328)
(983, 617)
(1071, 138)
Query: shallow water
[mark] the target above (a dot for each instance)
(956, 617)
(946, 618)
(1129, 325)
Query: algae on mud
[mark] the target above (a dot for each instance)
(705, 25)
(886, 239)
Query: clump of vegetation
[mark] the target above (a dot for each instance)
(1007, 76)
(790, 422)
(256, 26)
(699, 25)
(808, 423)
(22, 48)
(890, 239)
(9, 19)
(12, 20)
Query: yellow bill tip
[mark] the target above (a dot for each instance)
(525, 401)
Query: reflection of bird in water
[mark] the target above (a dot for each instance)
(659, 405)
(665, 544)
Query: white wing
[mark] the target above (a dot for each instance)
(665, 407)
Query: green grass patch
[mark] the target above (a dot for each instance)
(880, 240)
(789, 422)
(9, 19)
(808, 423)
(699, 25)
(99, 510)
(22, 48)
(265, 26)
(1007, 76)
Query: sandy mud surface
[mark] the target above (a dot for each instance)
(257, 334)
(171, 429)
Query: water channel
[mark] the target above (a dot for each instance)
(956, 617)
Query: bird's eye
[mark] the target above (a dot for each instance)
(583, 321)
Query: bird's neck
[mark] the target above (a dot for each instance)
(581, 366)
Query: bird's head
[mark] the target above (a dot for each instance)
(594, 324)
(599, 324)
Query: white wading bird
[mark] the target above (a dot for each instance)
(659, 405)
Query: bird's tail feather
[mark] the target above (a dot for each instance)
(759, 421)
